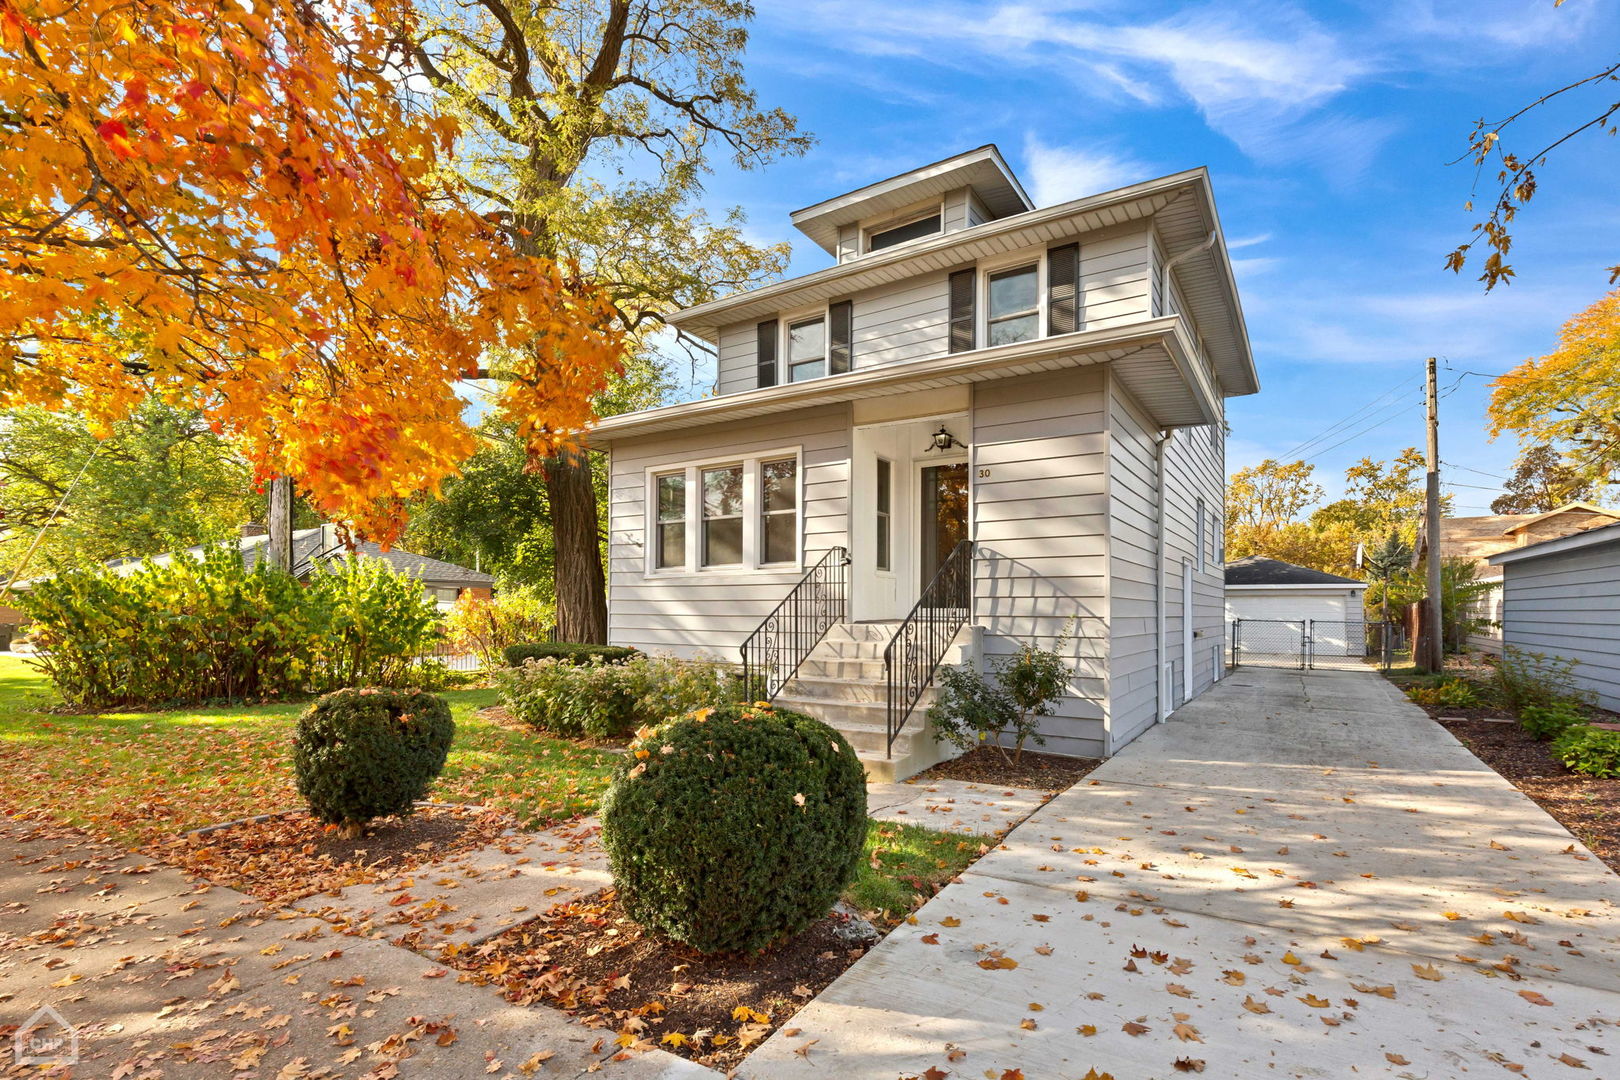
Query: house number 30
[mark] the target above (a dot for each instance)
(984, 474)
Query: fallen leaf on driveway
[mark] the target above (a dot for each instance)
(1427, 971)
(1534, 998)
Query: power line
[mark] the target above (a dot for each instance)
(1470, 468)
(1400, 412)
(1354, 417)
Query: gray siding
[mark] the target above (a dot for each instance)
(711, 612)
(1041, 520)
(1568, 604)
(736, 360)
(1195, 466)
(1133, 698)
(1114, 277)
(900, 322)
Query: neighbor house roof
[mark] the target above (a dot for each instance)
(1483, 536)
(1607, 534)
(1256, 571)
(312, 545)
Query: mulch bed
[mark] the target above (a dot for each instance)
(588, 958)
(1586, 806)
(291, 856)
(985, 765)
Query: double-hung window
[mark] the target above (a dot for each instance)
(779, 511)
(1012, 311)
(670, 544)
(807, 349)
(723, 516)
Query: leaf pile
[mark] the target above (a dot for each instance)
(588, 958)
(292, 856)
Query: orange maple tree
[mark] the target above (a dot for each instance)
(231, 206)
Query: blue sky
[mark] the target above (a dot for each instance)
(1327, 129)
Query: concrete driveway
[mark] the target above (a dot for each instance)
(1299, 875)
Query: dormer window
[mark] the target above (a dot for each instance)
(807, 349)
(915, 229)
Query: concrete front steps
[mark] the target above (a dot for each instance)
(843, 684)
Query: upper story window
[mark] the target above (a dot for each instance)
(1013, 311)
(807, 349)
(915, 229)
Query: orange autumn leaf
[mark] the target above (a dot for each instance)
(229, 206)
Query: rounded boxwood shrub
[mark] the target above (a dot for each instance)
(732, 827)
(365, 753)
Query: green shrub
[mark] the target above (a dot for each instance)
(971, 709)
(611, 700)
(487, 625)
(363, 754)
(574, 652)
(1590, 751)
(1550, 721)
(1527, 678)
(728, 829)
(377, 621)
(1448, 693)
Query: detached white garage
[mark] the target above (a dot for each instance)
(1274, 608)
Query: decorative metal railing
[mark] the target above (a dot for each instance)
(774, 651)
(919, 644)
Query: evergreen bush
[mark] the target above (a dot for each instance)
(611, 700)
(728, 829)
(574, 652)
(368, 753)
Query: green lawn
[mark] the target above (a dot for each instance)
(133, 776)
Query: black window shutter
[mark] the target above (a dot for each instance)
(961, 300)
(840, 331)
(766, 353)
(1063, 289)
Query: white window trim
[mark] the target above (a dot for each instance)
(904, 217)
(1203, 530)
(784, 346)
(1012, 261)
(753, 523)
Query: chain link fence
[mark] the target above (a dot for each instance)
(1318, 644)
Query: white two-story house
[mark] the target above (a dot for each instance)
(984, 424)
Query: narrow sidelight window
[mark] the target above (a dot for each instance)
(671, 521)
(722, 516)
(807, 350)
(885, 496)
(779, 510)
(1013, 313)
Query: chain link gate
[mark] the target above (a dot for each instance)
(1338, 644)
(1270, 643)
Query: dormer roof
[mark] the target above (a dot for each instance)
(984, 170)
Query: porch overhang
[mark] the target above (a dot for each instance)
(1155, 360)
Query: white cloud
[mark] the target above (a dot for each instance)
(1247, 241)
(1059, 173)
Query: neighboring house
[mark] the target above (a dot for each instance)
(1478, 538)
(1008, 420)
(444, 582)
(1280, 599)
(1562, 597)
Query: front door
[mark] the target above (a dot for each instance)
(943, 517)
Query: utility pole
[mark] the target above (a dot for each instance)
(280, 523)
(1434, 642)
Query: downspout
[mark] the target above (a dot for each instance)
(1160, 602)
(1164, 274)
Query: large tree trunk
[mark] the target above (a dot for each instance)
(581, 587)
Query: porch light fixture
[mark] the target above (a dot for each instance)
(943, 440)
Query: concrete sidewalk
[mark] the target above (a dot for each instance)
(1300, 875)
(166, 978)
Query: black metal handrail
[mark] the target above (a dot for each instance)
(919, 644)
(773, 652)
